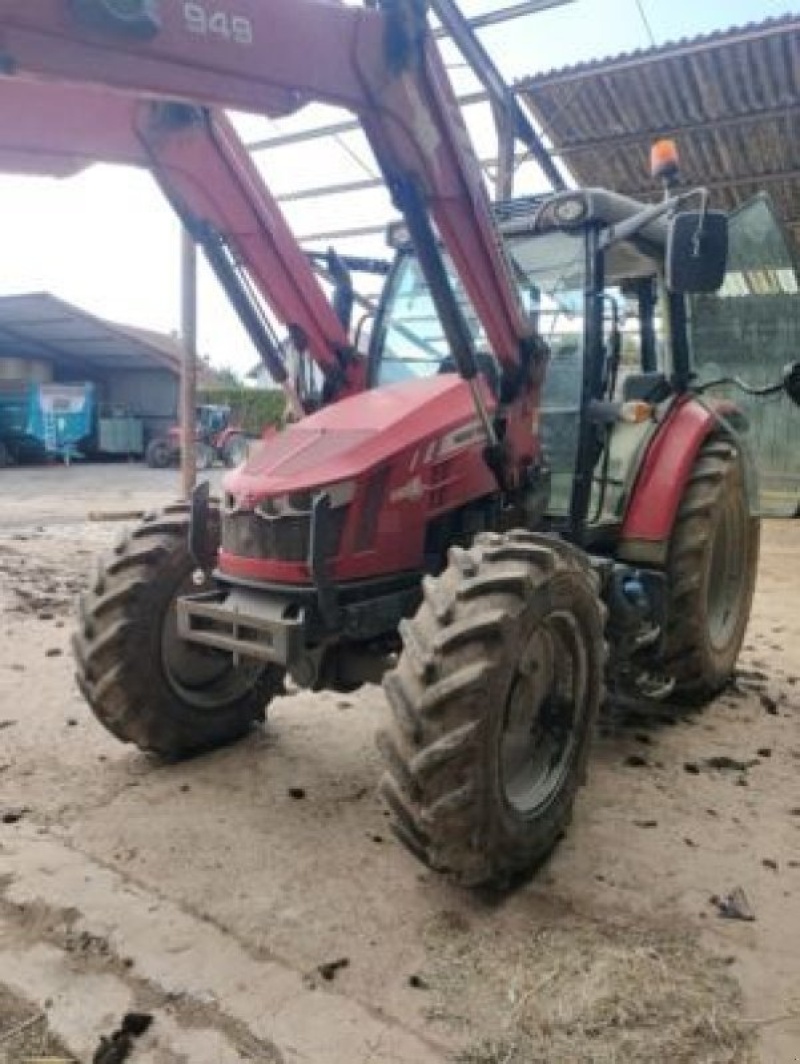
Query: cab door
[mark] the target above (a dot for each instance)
(751, 329)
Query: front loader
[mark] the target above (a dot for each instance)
(494, 513)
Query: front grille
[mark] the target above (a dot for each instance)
(286, 538)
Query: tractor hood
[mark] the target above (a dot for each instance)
(350, 437)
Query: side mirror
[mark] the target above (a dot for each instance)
(697, 251)
(791, 381)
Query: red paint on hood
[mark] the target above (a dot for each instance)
(352, 436)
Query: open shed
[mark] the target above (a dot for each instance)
(730, 99)
(134, 373)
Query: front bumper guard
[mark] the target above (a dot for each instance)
(244, 623)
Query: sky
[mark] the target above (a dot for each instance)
(106, 241)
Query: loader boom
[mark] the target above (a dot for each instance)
(206, 174)
(272, 57)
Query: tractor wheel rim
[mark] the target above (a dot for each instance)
(726, 576)
(203, 679)
(546, 705)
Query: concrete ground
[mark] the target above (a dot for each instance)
(253, 902)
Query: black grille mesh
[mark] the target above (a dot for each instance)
(285, 539)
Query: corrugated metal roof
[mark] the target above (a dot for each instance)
(38, 325)
(730, 99)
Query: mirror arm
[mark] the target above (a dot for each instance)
(631, 226)
(743, 386)
(790, 384)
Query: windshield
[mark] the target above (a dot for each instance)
(550, 274)
(549, 270)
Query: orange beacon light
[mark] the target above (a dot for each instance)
(664, 162)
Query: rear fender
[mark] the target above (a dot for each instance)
(662, 477)
(731, 419)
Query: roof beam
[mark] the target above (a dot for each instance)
(367, 183)
(336, 129)
(723, 183)
(507, 14)
(490, 18)
(26, 346)
(344, 234)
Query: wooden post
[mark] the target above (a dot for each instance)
(189, 364)
(504, 179)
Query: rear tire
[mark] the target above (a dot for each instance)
(711, 574)
(143, 683)
(159, 454)
(493, 704)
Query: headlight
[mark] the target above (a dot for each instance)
(299, 503)
(570, 210)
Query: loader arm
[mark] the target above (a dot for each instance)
(272, 57)
(205, 173)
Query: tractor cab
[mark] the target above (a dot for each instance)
(592, 269)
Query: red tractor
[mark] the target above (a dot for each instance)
(486, 512)
(216, 440)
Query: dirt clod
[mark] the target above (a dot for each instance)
(757, 675)
(329, 969)
(119, 1046)
(723, 763)
(13, 814)
(769, 703)
(636, 761)
(734, 906)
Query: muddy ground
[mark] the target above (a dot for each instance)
(253, 902)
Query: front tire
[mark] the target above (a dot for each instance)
(234, 450)
(143, 683)
(711, 574)
(493, 704)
